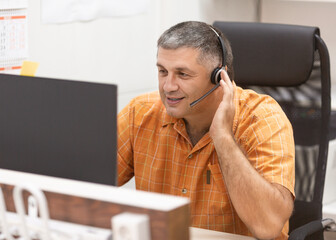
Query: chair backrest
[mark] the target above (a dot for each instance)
(290, 63)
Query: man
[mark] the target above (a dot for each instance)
(232, 153)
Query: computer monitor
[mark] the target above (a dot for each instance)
(58, 128)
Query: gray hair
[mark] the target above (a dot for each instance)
(200, 36)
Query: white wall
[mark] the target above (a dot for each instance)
(174, 11)
(119, 50)
(111, 50)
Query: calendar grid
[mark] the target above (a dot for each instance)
(13, 39)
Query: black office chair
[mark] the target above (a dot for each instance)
(291, 63)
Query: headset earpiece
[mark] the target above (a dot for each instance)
(216, 76)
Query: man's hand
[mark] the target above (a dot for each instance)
(223, 119)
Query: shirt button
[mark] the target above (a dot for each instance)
(184, 191)
(190, 156)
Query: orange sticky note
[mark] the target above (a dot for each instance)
(29, 68)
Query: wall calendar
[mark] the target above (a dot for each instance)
(13, 35)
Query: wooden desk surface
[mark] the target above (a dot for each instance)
(204, 234)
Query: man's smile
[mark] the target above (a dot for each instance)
(173, 100)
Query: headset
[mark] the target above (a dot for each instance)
(215, 75)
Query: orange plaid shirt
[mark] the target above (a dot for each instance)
(155, 148)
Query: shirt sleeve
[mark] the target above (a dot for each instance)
(268, 142)
(125, 151)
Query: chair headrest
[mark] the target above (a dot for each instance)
(270, 54)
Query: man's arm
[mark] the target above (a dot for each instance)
(264, 207)
(125, 152)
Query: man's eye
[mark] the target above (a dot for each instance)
(161, 71)
(182, 74)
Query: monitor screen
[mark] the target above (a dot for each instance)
(58, 128)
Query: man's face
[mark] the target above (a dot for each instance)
(182, 80)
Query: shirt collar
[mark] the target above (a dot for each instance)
(167, 119)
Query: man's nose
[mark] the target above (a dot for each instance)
(170, 84)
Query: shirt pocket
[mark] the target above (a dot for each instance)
(217, 176)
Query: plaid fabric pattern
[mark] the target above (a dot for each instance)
(155, 148)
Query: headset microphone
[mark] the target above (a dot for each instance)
(204, 96)
(215, 75)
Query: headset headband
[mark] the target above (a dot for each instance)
(221, 43)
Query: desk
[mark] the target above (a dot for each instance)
(204, 234)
